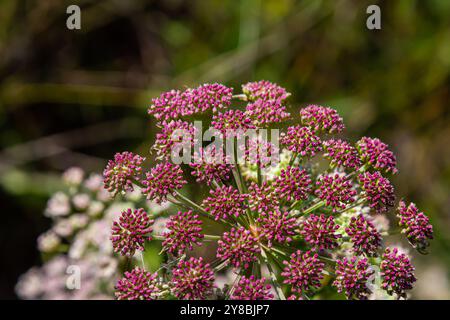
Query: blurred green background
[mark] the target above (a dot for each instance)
(75, 97)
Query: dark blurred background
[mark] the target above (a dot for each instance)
(76, 97)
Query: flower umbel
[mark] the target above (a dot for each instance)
(250, 288)
(131, 231)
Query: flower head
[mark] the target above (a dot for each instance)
(174, 133)
(277, 226)
(163, 180)
(264, 90)
(364, 235)
(264, 112)
(129, 233)
(303, 271)
(261, 198)
(210, 166)
(416, 225)
(119, 174)
(250, 288)
(320, 232)
(192, 279)
(301, 140)
(397, 272)
(239, 247)
(379, 191)
(336, 190)
(224, 202)
(259, 152)
(323, 119)
(352, 277)
(184, 230)
(174, 104)
(138, 284)
(341, 153)
(292, 184)
(232, 121)
(377, 154)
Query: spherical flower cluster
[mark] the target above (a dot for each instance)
(377, 154)
(364, 236)
(231, 121)
(224, 202)
(303, 271)
(264, 112)
(131, 231)
(341, 153)
(261, 198)
(163, 180)
(251, 288)
(352, 277)
(210, 166)
(138, 284)
(378, 191)
(184, 230)
(277, 226)
(301, 140)
(239, 247)
(119, 173)
(174, 133)
(265, 90)
(320, 232)
(259, 152)
(416, 225)
(397, 272)
(322, 119)
(293, 184)
(192, 279)
(336, 190)
(175, 103)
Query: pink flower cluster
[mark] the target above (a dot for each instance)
(121, 172)
(175, 103)
(304, 222)
(184, 231)
(416, 225)
(131, 231)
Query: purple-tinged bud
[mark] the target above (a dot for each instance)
(397, 272)
(292, 184)
(210, 166)
(184, 231)
(364, 235)
(265, 90)
(352, 278)
(303, 271)
(252, 289)
(377, 154)
(320, 232)
(277, 226)
(192, 279)
(322, 119)
(416, 226)
(119, 174)
(336, 190)
(174, 133)
(378, 191)
(301, 140)
(129, 233)
(138, 284)
(163, 180)
(341, 153)
(261, 198)
(224, 202)
(239, 247)
(265, 112)
(232, 121)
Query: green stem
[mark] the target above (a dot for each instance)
(273, 276)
